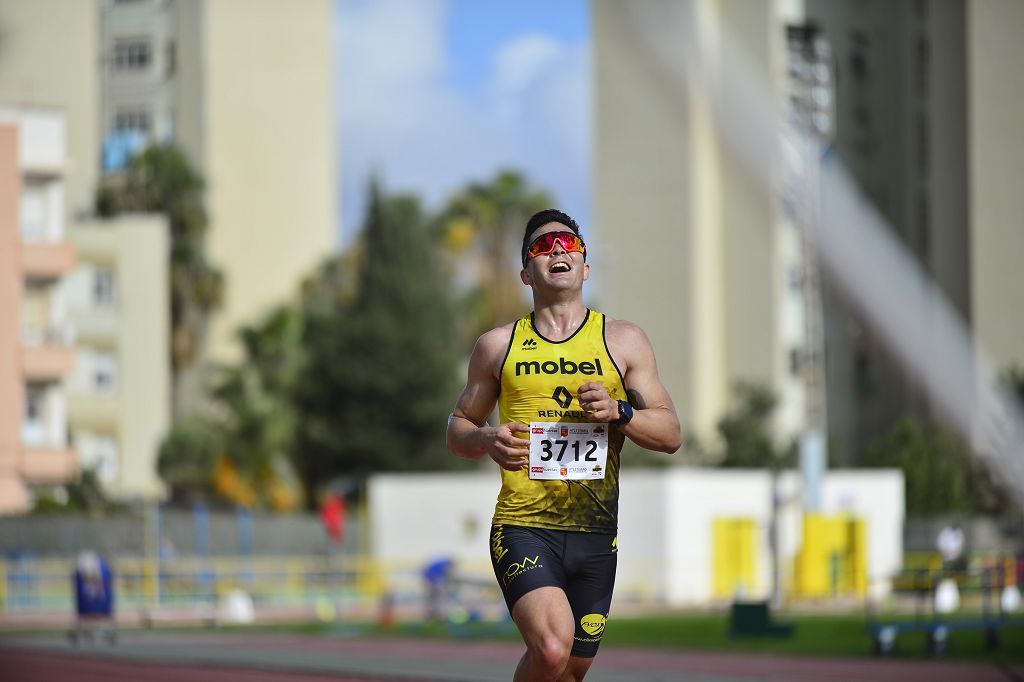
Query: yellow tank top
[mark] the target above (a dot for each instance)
(539, 380)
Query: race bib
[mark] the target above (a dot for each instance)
(565, 450)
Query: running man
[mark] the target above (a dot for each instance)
(570, 385)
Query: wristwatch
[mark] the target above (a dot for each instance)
(625, 413)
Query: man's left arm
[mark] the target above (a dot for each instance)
(655, 425)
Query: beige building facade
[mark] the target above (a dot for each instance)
(119, 391)
(926, 112)
(245, 87)
(109, 409)
(928, 126)
(49, 60)
(995, 87)
(688, 245)
(36, 351)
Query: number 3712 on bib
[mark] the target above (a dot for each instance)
(568, 450)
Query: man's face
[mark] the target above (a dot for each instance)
(559, 270)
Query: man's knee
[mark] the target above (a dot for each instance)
(551, 653)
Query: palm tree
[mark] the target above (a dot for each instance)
(488, 219)
(160, 179)
(254, 401)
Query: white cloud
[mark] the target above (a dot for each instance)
(523, 61)
(403, 119)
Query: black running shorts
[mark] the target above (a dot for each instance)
(581, 564)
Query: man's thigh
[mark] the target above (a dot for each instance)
(543, 612)
(591, 562)
(525, 559)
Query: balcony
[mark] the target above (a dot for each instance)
(100, 325)
(93, 411)
(42, 465)
(47, 355)
(47, 260)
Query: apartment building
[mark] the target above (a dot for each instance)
(924, 112)
(928, 113)
(112, 404)
(36, 339)
(688, 245)
(245, 88)
(119, 392)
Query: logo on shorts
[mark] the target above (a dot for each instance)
(497, 551)
(517, 568)
(593, 624)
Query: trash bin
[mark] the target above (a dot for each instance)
(754, 619)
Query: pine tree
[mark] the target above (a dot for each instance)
(380, 372)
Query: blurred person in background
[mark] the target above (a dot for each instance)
(570, 385)
(950, 543)
(437, 575)
(94, 597)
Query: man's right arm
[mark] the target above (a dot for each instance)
(468, 435)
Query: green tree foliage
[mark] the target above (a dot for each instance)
(484, 223)
(942, 475)
(255, 404)
(85, 494)
(746, 433)
(240, 452)
(160, 179)
(188, 458)
(379, 374)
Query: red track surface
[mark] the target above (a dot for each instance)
(24, 666)
(298, 658)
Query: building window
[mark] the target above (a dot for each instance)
(172, 59)
(99, 453)
(104, 372)
(796, 361)
(34, 396)
(132, 119)
(103, 287)
(33, 428)
(132, 55)
(33, 212)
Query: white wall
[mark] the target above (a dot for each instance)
(415, 517)
(42, 136)
(665, 522)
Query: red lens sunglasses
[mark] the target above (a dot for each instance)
(545, 244)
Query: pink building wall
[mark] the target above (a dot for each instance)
(12, 491)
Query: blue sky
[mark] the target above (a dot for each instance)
(433, 94)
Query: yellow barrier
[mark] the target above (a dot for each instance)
(734, 557)
(833, 558)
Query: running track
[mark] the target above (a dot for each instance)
(234, 657)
